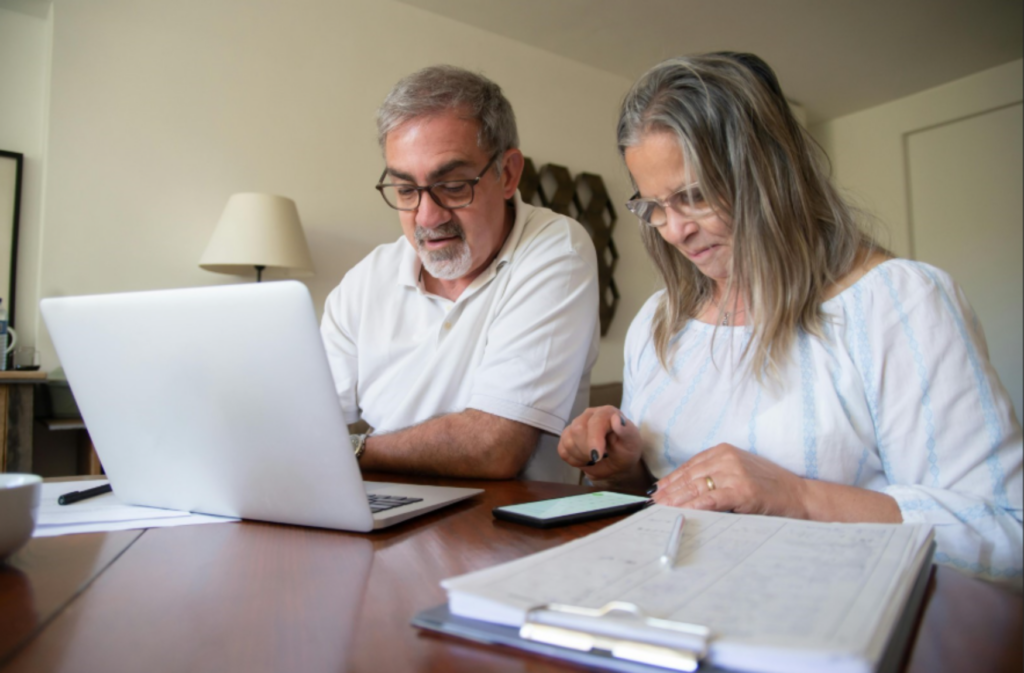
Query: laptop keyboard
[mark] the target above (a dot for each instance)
(381, 503)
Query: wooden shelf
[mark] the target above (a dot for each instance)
(22, 377)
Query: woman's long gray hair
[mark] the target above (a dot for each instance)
(793, 236)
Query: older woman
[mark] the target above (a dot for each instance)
(790, 367)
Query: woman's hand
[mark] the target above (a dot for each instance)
(602, 443)
(725, 478)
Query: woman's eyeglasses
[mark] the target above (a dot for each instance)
(688, 202)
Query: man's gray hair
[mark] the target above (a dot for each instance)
(441, 88)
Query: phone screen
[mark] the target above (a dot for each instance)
(571, 509)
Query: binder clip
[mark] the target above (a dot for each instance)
(621, 630)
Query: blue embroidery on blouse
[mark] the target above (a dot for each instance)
(860, 466)
(865, 367)
(922, 375)
(718, 423)
(628, 384)
(977, 512)
(975, 323)
(646, 352)
(680, 360)
(666, 441)
(752, 426)
(627, 396)
(968, 515)
(988, 407)
(833, 370)
(810, 415)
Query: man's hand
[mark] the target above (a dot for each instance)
(471, 444)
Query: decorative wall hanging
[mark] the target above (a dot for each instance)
(586, 200)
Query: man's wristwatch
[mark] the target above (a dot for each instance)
(358, 444)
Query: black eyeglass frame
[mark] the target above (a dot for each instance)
(429, 189)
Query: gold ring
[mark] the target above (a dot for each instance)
(710, 482)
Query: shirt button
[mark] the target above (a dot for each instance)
(447, 325)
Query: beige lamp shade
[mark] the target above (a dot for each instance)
(258, 230)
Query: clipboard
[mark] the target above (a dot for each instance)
(599, 656)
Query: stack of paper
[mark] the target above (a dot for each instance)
(104, 512)
(777, 594)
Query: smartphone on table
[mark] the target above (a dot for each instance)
(571, 509)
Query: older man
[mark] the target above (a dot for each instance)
(466, 344)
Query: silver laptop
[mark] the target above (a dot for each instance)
(220, 400)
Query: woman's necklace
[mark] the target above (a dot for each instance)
(727, 316)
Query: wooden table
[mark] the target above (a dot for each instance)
(265, 597)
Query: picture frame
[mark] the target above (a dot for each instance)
(11, 174)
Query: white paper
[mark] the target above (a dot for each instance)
(187, 520)
(778, 594)
(104, 512)
(97, 509)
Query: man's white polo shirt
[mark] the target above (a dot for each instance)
(518, 343)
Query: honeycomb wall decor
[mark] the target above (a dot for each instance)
(529, 184)
(595, 212)
(586, 200)
(557, 190)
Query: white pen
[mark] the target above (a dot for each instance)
(668, 559)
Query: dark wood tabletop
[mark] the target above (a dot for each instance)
(264, 597)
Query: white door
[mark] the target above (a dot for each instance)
(967, 217)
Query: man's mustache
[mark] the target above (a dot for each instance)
(446, 230)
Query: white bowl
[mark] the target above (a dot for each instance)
(19, 503)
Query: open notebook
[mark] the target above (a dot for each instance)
(748, 593)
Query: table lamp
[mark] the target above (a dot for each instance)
(258, 231)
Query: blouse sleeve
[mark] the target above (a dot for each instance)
(639, 348)
(947, 435)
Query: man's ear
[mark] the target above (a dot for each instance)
(511, 171)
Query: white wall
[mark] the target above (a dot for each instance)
(967, 217)
(867, 148)
(24, 85)
(159, 111)
(942, 169)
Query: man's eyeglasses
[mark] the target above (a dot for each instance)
(449, 194)
(687, 202)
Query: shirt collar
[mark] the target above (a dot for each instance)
(409, 268)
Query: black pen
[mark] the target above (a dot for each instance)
(75, 496)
